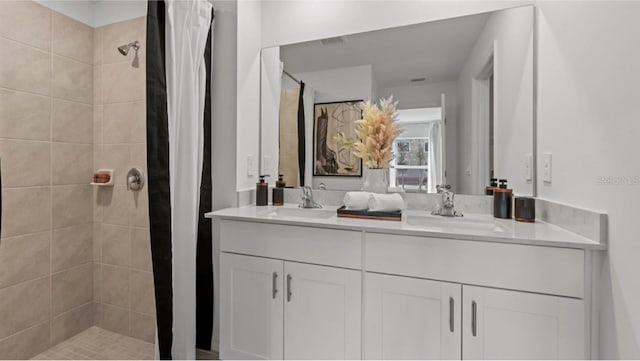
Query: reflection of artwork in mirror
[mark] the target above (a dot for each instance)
(329, 121)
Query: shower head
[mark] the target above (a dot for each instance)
(124, 49)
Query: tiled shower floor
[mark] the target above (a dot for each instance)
(98, 344)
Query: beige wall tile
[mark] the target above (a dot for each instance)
(115, 319)
(124, 83)
(97, 124)
(24, 68)
(141, 249)
(140, 208)
(23, 258)
(71, 323)
(26, 210)
(143, 327)
(97, 314)
(72, 205)
(97, 85)
(123, 33)
(72, 80)
(142, 296)
(116, 245)
(139, 123)
(97, 241)
(25, 163)
(97, 282)
(115, 202)
(24, 116)
(117, 121)
(26, 344)
(118, 158)
(72, 163)
(24, 305)
(115, 286)
(71, 288)
(97, 45)
(72, 122)
(71, 247)
(97, 207)
(72, 38)
(26, 21)
(139, 156)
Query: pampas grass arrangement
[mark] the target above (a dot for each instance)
(377, 129)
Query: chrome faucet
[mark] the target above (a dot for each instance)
(446, 208)
(307, 198)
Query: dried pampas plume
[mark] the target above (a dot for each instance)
(377, 129)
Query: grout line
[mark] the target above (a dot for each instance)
(51, 182)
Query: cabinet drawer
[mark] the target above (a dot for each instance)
(558, 271)
(329, 247)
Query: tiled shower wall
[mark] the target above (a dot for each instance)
(46, 82)
(122, 272)
(70, 256)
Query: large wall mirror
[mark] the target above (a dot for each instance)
(465, 93)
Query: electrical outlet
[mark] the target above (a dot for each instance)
(546, 167)
(528, 161)
(250, 165)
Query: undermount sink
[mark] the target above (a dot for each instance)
(455, 223)
(309, 213)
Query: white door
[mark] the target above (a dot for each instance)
(251, 307)
(443, 151)
(322, 312)
(501, 324)
(409, 318)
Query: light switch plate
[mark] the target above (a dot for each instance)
(250, 163)
(528, 162)
(546, 167)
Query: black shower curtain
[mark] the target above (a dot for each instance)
(160, 193)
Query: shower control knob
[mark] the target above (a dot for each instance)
(135, 179)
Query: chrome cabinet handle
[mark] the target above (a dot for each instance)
(274, 287)
(289, 293)
(451, 316)
(474, 315)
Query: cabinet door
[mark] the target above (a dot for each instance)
(410, 318)
(251, 307)
(503, 324)
(322, 312)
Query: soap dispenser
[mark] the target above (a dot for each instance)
(493, 184)
(262, 192)
(502, 200)
(277, 198)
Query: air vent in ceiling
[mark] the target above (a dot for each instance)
(418, 80)
(334, 40)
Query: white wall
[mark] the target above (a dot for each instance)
(100, 12)
(429, 95)
(588, 117)
(508, 35)
(248, 94)
(589, 83)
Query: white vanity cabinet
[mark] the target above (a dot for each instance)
(346, 290)
(408, 318)
(278, 308)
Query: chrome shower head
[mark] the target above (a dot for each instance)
(124, 49)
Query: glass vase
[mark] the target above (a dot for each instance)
(376, 180)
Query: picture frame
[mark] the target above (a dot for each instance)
(329, 120)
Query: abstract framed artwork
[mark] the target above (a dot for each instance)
(329, 121)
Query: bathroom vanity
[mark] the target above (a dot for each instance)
(298, 284)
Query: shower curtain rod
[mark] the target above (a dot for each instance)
(291, 76)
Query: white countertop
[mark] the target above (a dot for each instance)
(506, 231)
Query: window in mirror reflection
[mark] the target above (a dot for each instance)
(413, 162)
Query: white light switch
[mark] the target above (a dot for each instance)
(250, 162)
(266, 164)
(528, 161)
(546, 167)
